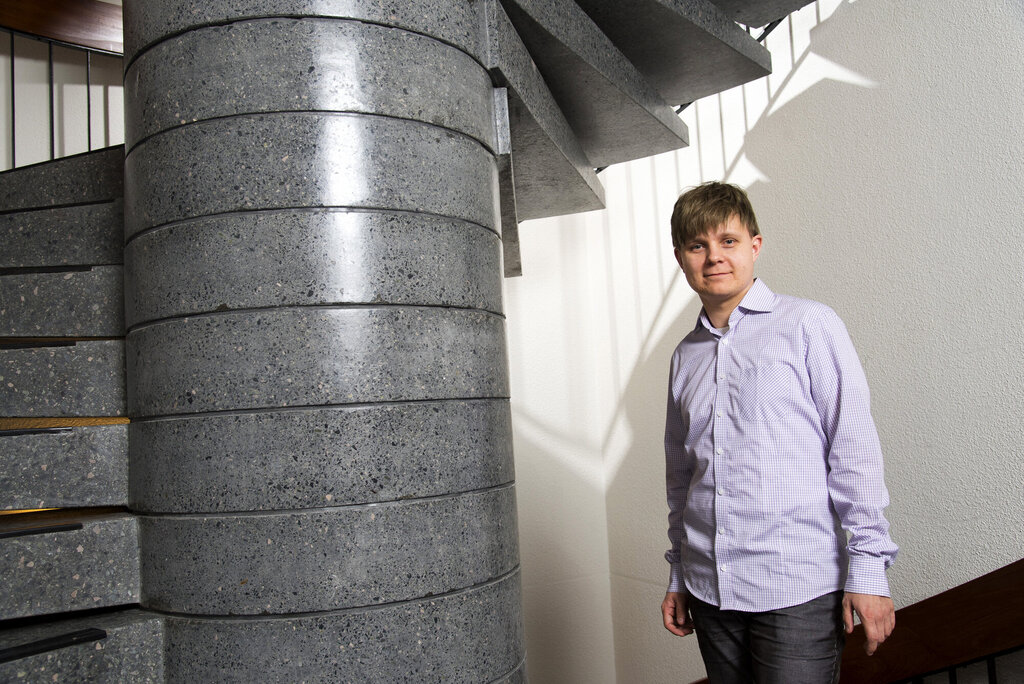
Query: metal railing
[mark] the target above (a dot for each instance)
(12, 39)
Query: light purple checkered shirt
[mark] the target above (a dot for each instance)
(769, 446)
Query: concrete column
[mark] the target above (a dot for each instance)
(317, 377)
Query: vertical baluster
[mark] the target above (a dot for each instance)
(53, 141)
(88, 99)
(13, 159)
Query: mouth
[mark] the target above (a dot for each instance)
(716, 275)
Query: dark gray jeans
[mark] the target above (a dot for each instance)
(796, 645)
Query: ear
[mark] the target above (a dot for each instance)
(755, 242)
(679, 257)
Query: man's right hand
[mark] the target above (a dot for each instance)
(675, 614)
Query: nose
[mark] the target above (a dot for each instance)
(714, 253)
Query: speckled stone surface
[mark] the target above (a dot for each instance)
(64, 468)
(326, 559)
(550, 173)
(306, 65)
(686, 48)
(311, 257)
(319, 457)
(85, 235)
(93, 567)
(616, 114)
(467, 637)
(81, 379)
(147, 21)
(516, 676)
(89, 177)
(291, 160)
(63, 304)
(758, 12)
(131, 652)
(313, 357)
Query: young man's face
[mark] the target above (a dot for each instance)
(719, 265)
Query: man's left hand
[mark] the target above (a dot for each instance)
(877, 614)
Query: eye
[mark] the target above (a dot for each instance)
(730, 241)
(695, 247)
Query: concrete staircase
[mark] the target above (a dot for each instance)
(70, 563)
(576, 85)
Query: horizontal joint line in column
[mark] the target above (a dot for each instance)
(281, 512)
(339, 611)
(331, 208)
(315, 17)
(332, 307)
(354, 406)
(302, 112)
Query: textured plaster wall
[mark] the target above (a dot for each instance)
(884, 159)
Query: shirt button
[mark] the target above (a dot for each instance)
(721, 491)
(721, 531)
(724, 568)
(725, 340)
(721, 377)
(719, 414)
(718, 451)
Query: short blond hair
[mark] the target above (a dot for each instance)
(707, 206)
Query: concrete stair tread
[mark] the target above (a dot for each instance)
(614, 112)
(550, 174)
(122, 646)
(80, 378)
(67, 562)
(759, 12)
(64, 467)
(85, 178)
(687, 49)
(82, 235)
(78, 302)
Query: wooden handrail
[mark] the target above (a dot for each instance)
(86, 23)
(968, 622)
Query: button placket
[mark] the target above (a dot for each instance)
(721, 470)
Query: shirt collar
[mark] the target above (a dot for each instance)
(759, 299)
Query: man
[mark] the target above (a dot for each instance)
(772, 461)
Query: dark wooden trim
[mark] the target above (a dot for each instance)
(88, 23)
(971, 621)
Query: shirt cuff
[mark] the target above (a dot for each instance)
(867, 576)
(675, 577)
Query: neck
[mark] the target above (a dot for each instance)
(719, 314)
(719, 310)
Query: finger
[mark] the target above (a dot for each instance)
(668, 616)
(848, 615)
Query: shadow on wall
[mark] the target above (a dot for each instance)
(896, 204)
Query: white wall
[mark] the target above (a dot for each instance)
(884, 158)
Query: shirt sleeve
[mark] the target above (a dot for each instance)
(856, 483)
(677, 482)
